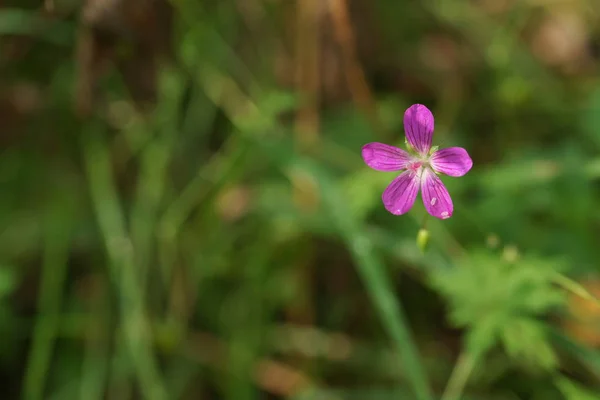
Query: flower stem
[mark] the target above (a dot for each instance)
(425, 219)
(460, 375)
(577, 289)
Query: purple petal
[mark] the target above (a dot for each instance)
(383, 157)
(418, 125)
(453, 161)
(400, 195)
(436, 198)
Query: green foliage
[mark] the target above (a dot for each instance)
(8, 280)
(200, 248)
(574, 391)
(503, 302)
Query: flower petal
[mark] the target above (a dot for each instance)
(400, 195)
(383, 157)
(453, 161)
(418, 125)
(436, 198)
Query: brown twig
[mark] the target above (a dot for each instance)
(359, 88)
(307, 71)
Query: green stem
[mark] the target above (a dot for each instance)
(111, 221)
(54, 273)
(460, 376)
(575, 288)
(424, 222)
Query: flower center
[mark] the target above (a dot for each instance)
(416, 165)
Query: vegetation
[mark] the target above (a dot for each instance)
(185, 213)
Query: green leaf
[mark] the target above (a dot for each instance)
(574, 391)
(499, 302)
(482, 337)
(526, 339)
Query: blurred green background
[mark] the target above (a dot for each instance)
(185, 213)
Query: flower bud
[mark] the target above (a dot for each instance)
(422, 239)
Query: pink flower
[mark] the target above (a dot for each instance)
(421, 166)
